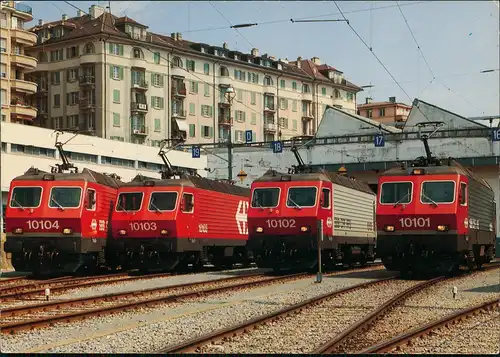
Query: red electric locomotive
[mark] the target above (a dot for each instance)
(178, 221)
(285, 209)
(434, 216)
(58, 221)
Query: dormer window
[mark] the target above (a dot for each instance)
(279, 66)
(216, 52)
(236, 57)
(331, 74)
(137, 53)
(203, 50)
(223, 54)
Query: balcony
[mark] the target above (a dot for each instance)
(307, 116)
(270, 127)
(225, 120)
(223, 102)
(86, 104)
(269, 107)
(178, 114)
(179, 91)
(139, 107)
(270, 90)
(307, 97)
(23, 61)
(90, 58)
(21, 10)
(24, 86)
(22, 36)
(23, 112)
(42, 90)
(140, 130)
(140, 84)
(225, 81)
(87, 81)
(42, 112)
(177, 72)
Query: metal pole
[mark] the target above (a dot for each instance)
(230, 143)
(319, 276)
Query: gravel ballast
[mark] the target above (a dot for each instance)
(149, 329)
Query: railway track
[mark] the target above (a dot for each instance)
(421, 331)
(33, 316)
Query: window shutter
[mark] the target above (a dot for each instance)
(110, 71)
(196, 86)
(254, 136)
(152, 101)
(120, 50)
(67, 98)
(152, 78)
(161, 102)
(192, 130)
(201, 130)
(110, 48)
(210, 111)
(211, 132)
(161, 80)
(121, 72)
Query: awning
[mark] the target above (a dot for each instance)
(177, 77)
(182, 125)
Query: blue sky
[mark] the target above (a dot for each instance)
(458, 40)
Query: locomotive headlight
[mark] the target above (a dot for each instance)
(389, 228)
(122, 232)
(18, 231)
(259, 230)
(67, 231)
(163, 232)
(442, 228)
(304, 229)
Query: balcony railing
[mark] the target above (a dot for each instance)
(86, 103)
(269, 106)
(179, 113)
(225, 120)
(85, 80)
(19, 7)
(140, 83)
(270, 126)
(140, 130)
(140, 106)
(179, 90)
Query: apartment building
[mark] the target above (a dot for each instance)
(16, 89)
(389, 113)
(109, 76)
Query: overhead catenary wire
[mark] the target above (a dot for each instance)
(231, 25)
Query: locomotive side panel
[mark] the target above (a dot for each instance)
(96, 217)
(481, 211)
(353, 213)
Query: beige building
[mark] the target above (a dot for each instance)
(113, 78)
(389, 113)
(17, 91)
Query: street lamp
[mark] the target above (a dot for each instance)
(230, 94)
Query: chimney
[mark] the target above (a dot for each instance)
(299, 62)
(64, 17)
(179, 36)
(316, 60)
(96, 11)
(368, 100)
(40, 22)
(272, 58)
(79, 13)
(255, 52)
(284, 60)
(173, 35)
(392, 99)
(225, 46)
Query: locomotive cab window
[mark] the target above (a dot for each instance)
(463, 193)
(301, 197)
(434, 192)
(396, 192)
(325, 198)
(162, 201)
(129, 201)
(65, 197)
(91, 202)
(265, 197)
(187, 203)
(26, 197)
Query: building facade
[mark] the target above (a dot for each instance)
(17, 90)
(111, 77)
(389, 113)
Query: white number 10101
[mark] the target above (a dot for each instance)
(415, 222)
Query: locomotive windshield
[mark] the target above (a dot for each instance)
(162, 201)
(26, 197)
(265, 197)
(396, 192)
(438, 192)
(129, 201)
(65, 197)
(301, 197)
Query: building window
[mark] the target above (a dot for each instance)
(192, 109)
(294, 105)
(191, 65)
(72, 75)
(238, 136)
(56, 55)
(57, 100)
(157, 125)
(115, 49)
(88, 48)
(3, 44)
(382, 112)
(73, 121)
(116, 119)
(282, 83)
(224, 72)
(58, 122)
(72, 52)
(239, 75)
(193, 87)
(3, 97)
(369, 113)
(3, 20)
(157, 79)
(206, 68)
(206, 131)
(268, 81)
(116, 72)
(117, 138)
(56, 78)
(116, 96)
(283, 103)
(177, 62)
(305, 88)
(137, 53)
(350, 97)
(323, 91)
(294, 124)
(106, 160)
(253, 121)
(4, 117)
(72, 98)
(253, 98)
(255, 78)
(240, 116)
(239, 95)
(192, 130)
(294, 85)
(156, 57)
(157, 102)
(283, 123)
(206, 110)
(206, 90)
(336, 93)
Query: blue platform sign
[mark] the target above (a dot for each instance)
(277, 147)
(196, 152)
(248, 136)
(495, 134)
(379, 140)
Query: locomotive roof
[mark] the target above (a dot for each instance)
(34, 174)
(350, 182)
(192, 181)
(449, 167)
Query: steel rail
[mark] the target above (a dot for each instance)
(421, 331)
(194, 344)
(79, 315)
